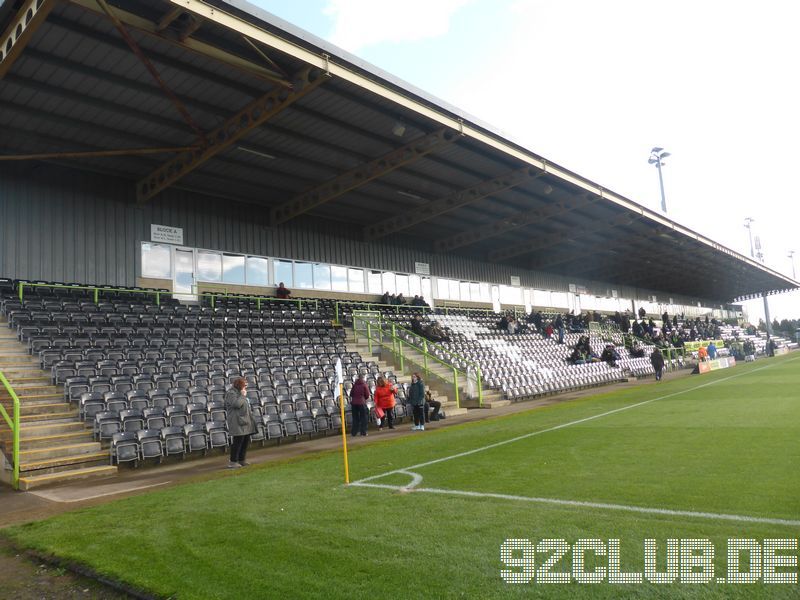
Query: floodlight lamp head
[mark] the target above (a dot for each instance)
(656, 150)
(665, 155)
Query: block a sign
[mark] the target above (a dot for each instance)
(421, 268)
(167, 234)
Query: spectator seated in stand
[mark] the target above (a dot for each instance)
(610, 355)
(502, 324)
(432, 408)
(282, 292)
(637, 351)
(400, 300)
(385, 298)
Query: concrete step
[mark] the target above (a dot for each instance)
(58, 451)
(63, 463)
(64, 413)
(43, 408)
(29, 381)
(30, 482)
(38, 429)
(18, 360)
(62, 439)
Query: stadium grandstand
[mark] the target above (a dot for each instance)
(165, 165)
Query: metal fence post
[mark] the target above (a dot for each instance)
(369, 336)
(455, 387)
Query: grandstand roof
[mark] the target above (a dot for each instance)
(225, 104)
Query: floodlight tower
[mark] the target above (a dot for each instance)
(657, 156)
(791, 258)
(747, 222)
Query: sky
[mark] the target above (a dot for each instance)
(593, 86)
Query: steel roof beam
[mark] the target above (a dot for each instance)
(360, 175)
(554, 238)
(156, 30)
(451, 202)
(20, 31)
(509, 223)
(237, 126)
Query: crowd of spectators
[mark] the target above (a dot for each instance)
(400, 300)
(430, 330)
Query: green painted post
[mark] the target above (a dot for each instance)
(158, 298)
(213, 301)
(336, 315)
(96, 296)
(21, 287)
(425, 355)
(369, 336)
(455, 387)
(258, 304)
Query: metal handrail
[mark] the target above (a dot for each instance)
(13, 423)
(398, 342)
(372, 305)
(92, 288)
(258, 299)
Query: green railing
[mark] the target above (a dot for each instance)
(91, 288)
(373, 305)
(298, 301)
(669, 352)
(13, 424)
(377, 332)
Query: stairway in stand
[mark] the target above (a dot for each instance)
(440, 383)
(55, 446)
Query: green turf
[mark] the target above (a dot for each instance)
(292, 529)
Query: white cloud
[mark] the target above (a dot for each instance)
(362, 23)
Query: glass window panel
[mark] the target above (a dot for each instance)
(257, 271)
(233, 268)
(339, 278)
(283, 272)
(322, 276)
(414, 285)
(303, 277)
(426, 290)
(475, 291)
(375, 282)
(464, 288)
(510, 295)
(355, 278)
(442, 288)
(486, 294)
(388, 283)
(402, 284)
(156, 261)
(454, 290)
(209, 266)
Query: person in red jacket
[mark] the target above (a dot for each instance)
(358, 402)
(384, 399)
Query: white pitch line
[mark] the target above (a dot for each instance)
(582, 504)
(562, 426)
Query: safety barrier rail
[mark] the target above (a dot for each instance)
(13, 424)
(377, 332)
(373, 305)
(97, 290)
(259, 299)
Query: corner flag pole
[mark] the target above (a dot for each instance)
(340, 382)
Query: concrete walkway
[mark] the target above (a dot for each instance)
(20, 507)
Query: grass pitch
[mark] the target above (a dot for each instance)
(711, 457)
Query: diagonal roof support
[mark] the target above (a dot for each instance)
(451, 202)
(521, 219)
(137, 50)
(20, 31)
(362, 174)
(554, 238)
(234, 128)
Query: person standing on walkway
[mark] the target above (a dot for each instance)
(416, 397)
(384, 399)
(359, 395)
(657, 360)
(240, 422)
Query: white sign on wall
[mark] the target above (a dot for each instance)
(167, 234)
(515, 280)
(422, 268)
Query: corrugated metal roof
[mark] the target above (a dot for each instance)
(78, 86)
